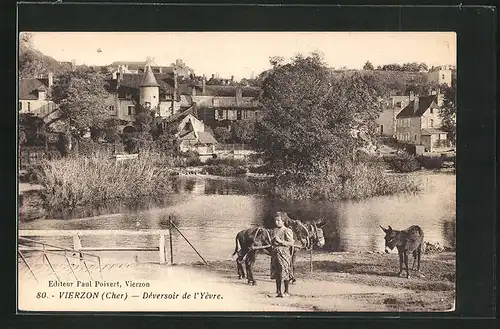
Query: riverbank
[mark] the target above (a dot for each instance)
(357, 282)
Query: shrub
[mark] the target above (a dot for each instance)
(352, 181)
(264, 169)
(402, 163)
(75, 181)
(431, 162)
(227, 161)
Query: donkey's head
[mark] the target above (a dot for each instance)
(390, 238)
(310, 233)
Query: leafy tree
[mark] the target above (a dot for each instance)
(81, 98)
(31, 130)
(308, 118)
(368, 66)
(243, 131)
(222, 134)
(33, 63)
(448, 112)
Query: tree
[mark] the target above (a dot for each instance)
(308, 118)
(243, 131)
(448, 112)
(222, 134)
(368, 66)
(33, 63)
(31, 130)
(81, 98)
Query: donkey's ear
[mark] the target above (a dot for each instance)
(383, 229)
(321, 222)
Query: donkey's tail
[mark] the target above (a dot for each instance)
(236, 247)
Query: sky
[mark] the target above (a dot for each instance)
(242, 54)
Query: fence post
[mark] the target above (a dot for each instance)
(170, 238)
(77, 245)
(162, 249)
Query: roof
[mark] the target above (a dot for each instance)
(130, 82)
(432, 131)
(136, 66)
(205, 137)
(181, 114)
(424, 104)
(219, 90)
(149, 79)
(28, 88)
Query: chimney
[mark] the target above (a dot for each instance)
(50, 79)
(232, 78)
(412, 96)
(416, 103)
(203, 83)
(239, 96)
(213, 76)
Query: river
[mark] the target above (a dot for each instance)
(209, 212)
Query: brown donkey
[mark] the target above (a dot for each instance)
(407, 241)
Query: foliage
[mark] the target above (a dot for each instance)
(448, 113)
(348, 181)
(227, 161)
(402, 163)
(243, 131)
(76, 181)
(33, 63)
(166, 142)
(31, 130)
(225, 170)
(308, 118)
(222, 134)
(368, 66)
(406, 67)
(430, 162)
(81, 98)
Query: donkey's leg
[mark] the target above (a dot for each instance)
(414, 259)
(239, 266)
(419, 252)
(400, 254)
(249, 261)
(292, 265)
(406, 256)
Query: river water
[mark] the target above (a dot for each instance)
(209, 212)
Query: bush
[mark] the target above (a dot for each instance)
(76, 181)
(402, 163)
(264, 169)
(227, 161)
(431, 162)
(351, 181)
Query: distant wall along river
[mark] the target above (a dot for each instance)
(211, 211)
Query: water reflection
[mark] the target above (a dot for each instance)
(210, 212)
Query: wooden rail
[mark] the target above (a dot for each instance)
(77, 244)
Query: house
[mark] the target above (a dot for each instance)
(440, 75)
(387, 119)
(193, 134)
(33, 95)
(419, 122)
(168, 93)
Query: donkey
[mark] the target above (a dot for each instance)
(407, 241)
(258, 239)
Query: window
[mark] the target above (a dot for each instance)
(415, 137)
(131, 110)
(443, 77)
(20, 106)
(221, 114)
(238, 115)
(432, 110)
(147, 105)
(29, 106)
(111, 109)
(431, 123)
(381, 129)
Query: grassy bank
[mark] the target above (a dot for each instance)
(358, 181)
(433, 290)
(76, 181)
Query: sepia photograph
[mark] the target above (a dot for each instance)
(236, 171)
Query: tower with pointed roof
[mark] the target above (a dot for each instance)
(149, 89)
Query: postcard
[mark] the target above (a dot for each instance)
(237, 171)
